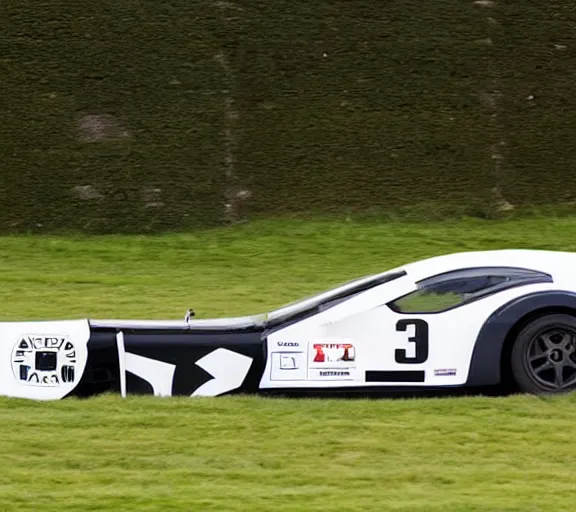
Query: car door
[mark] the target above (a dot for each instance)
(426, 337)
(398, 350)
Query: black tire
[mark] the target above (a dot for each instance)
(543, 358)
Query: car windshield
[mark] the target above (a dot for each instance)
(336, 294)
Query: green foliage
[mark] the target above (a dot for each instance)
(323, 107)
(68, 67)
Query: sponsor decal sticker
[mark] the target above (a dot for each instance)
(333, 352)
(445, 372)
(288, 362)
(332, 360)
(44, 360)
(334, 373)
(288, 344)
(326, 374)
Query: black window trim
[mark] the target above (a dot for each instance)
(519, 276)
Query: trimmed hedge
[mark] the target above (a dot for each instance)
(143, 115)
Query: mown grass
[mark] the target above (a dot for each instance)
(229, 271)
(255, 454)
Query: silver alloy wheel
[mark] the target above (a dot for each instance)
(551, 358)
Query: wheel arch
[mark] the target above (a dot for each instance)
(489, 364)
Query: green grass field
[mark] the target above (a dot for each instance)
(254, 454)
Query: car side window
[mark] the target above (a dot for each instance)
(452, 289)
(445, 295)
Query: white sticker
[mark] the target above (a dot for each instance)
(44, 360)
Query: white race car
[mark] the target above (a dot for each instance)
(471, 319)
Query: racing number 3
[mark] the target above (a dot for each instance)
(420, 340)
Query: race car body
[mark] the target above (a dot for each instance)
(460, 320)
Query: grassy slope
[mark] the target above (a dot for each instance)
(251, 454)
(259, 455)
(232, 270)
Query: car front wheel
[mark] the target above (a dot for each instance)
(543, 357)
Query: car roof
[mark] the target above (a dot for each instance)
(541, 260)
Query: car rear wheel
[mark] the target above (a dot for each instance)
(543, 357)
